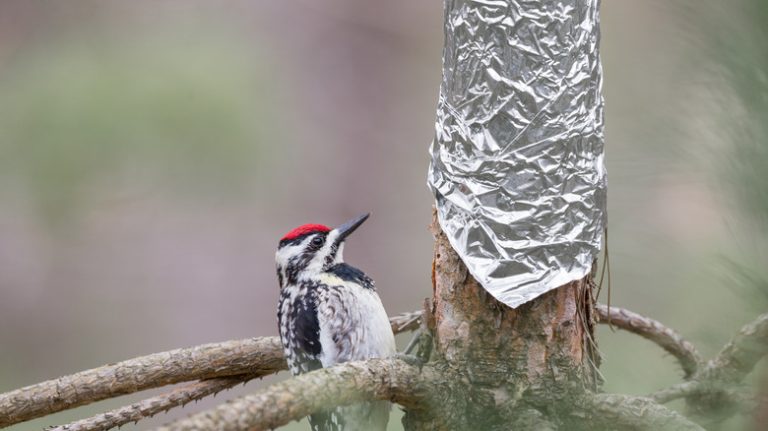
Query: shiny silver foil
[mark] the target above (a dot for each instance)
(517, 161)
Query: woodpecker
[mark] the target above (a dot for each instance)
(329, 313)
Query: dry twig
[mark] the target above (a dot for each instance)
(654, 331)
(152, 406)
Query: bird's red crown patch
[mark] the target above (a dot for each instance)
(305, 229)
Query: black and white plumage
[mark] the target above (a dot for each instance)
(329, 313)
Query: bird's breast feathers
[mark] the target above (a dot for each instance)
(353, 323)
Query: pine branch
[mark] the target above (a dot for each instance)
(654, 331)
(251, 357)
(152, 406)
(293, 399)
(258, 356)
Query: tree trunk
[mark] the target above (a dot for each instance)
(509, 366)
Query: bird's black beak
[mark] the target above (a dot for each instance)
(350, 226)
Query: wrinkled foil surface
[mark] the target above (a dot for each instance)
(517, 160)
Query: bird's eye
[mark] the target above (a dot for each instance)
(318, 241)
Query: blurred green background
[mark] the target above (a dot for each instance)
(152, 153)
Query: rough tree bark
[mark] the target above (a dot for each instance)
(507, 365)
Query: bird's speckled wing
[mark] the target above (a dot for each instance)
(299, 330)
(297, 314)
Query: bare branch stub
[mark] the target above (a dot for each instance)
(405, 322)
(152, 406)
(680, 390)
(283, 402)
(652, 330)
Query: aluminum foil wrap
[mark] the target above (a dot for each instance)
(517, 161)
